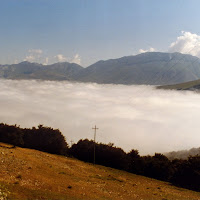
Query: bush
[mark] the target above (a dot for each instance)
(41, 138)
(187, 173)
(107, 155)
(11, 134)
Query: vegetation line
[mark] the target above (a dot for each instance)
(184, 173)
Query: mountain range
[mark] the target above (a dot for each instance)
(152, 68)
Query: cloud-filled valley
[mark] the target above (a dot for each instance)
(139, 117)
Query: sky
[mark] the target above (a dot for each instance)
(131, 117)
(85, 31)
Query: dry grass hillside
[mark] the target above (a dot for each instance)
(31, 174)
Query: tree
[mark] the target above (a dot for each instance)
(135, 162)
(11, 134)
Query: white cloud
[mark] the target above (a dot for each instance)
(16, 61)
(139, 117)
(187, 43)
(35, 51)
(60, 58)
(37, 55)
(151, 49)
(30, 58)
(34, 55)
(46, 62)
(76, 59)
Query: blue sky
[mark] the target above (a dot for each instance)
(85, 31)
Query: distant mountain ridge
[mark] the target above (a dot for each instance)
(27, 70)
(152, 68)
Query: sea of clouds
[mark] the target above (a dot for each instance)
(138, 117)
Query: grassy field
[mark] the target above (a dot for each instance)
(30, 174)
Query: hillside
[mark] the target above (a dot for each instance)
(191, 85)
(152, 68)
(31, 174)
(183, 154)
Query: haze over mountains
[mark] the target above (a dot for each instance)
(152, 68)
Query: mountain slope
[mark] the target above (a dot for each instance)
(183, 154)
(30, 174)
(26, 70)
(153, 68)
(191, 85)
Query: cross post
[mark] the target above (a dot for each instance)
(95, 129)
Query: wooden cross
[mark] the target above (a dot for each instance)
(95, 129)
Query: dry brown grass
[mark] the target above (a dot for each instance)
(31, 174)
